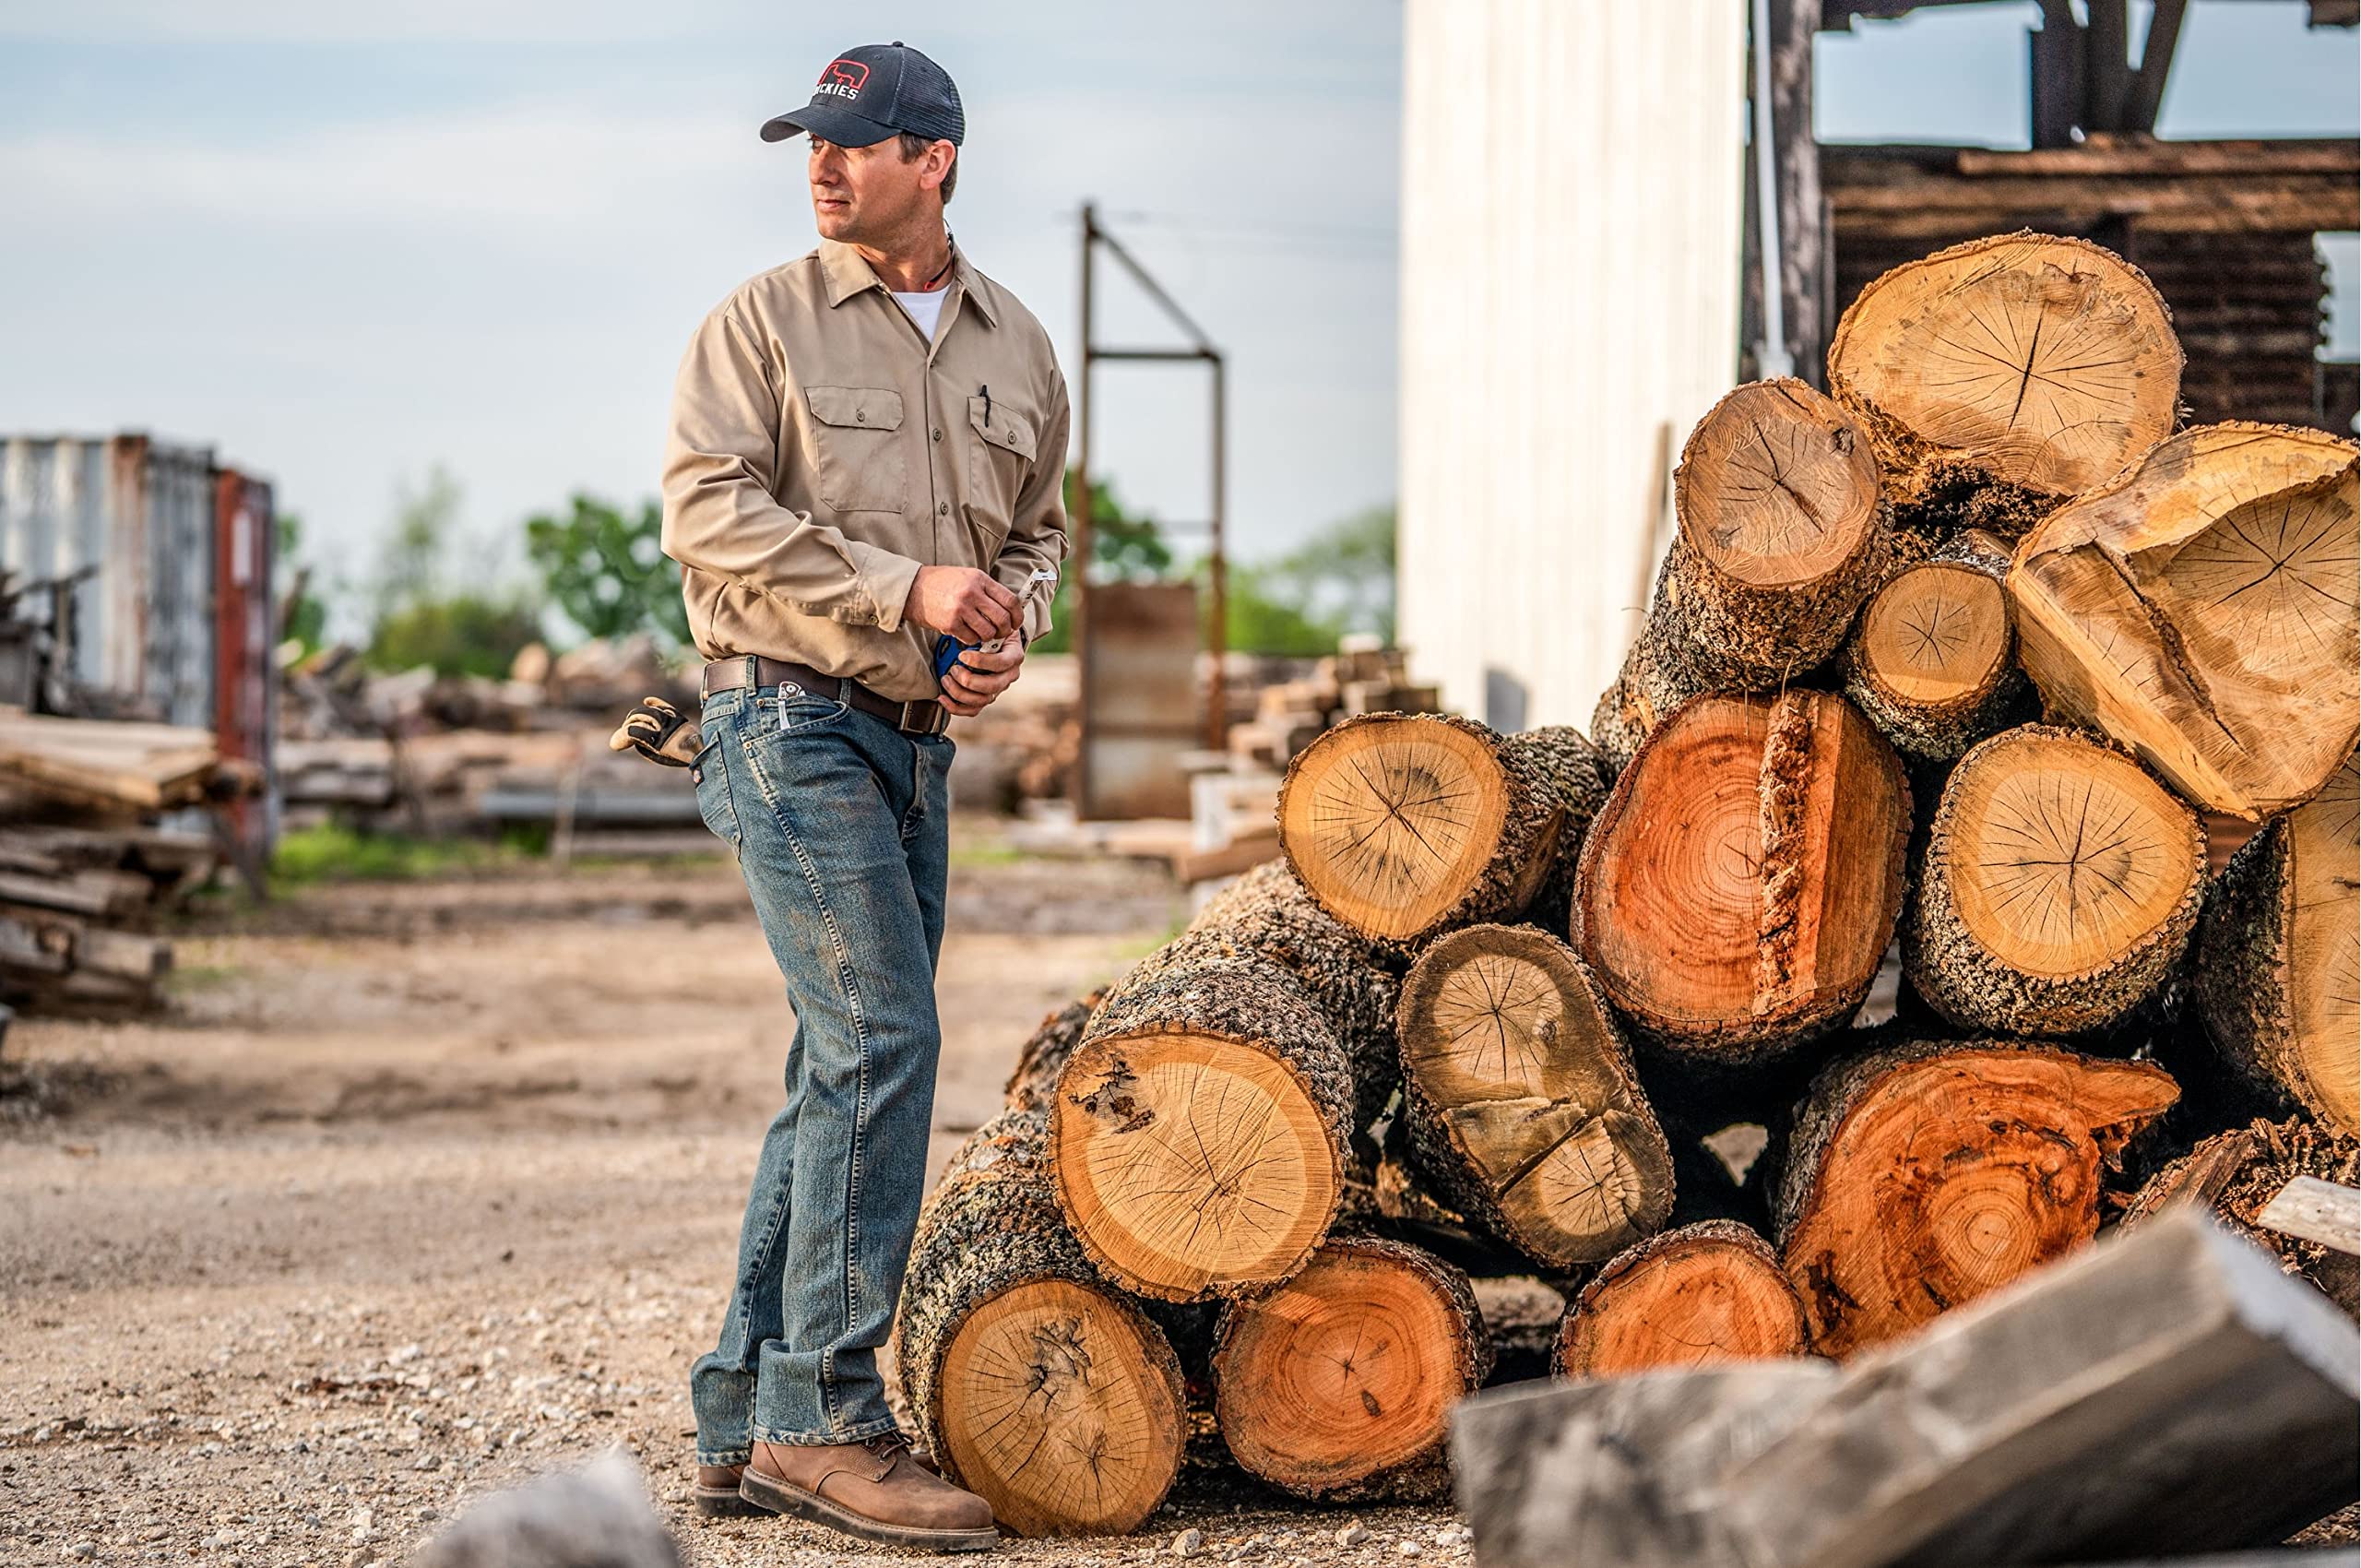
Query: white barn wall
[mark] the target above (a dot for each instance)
(1571, 207)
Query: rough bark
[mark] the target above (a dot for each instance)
(1035, 1383)
(1520, 1101)
(1200, 1130)
(2059, 885)
(1740, 885)
(1999, 378)
(1704, 1294)
(1405, 827)
(1932, 661)
(1782, 535)
(1644, 693)
(2203, 609)
(1340, 1384)
(1034, 1081)
(1924, 1175)
(1269, 914)
(2279, 957)
(2233, 1175)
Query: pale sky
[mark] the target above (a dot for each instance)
(344, 242)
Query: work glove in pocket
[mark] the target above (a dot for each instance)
(661, 732)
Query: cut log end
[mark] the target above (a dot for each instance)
(1063, 1421)
(1776, 488)
(2279, 955)
(1699, 1296)
(1742, 882)
(1525, 1109)
(1190, 1165)
(2203, 609)
(1925, 1177)
(1349, 1371)
(2039, 364)
(1392, 821)
(2061, 884)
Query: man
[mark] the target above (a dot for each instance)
(866, 455)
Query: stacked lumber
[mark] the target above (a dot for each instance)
(84, 871)
(1362, 676)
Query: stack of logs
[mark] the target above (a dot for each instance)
(1944, 682)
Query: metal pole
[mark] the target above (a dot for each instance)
(1079, 609)
(1772, 357)
(1216, 692)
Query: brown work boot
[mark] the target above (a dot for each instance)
(875, 1489)
(716, 1492)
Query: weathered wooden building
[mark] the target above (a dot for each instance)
(1584, 217)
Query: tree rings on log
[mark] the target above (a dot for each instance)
(1342, 1380)
(2205, 608)
(1405, 825)
(1782, 535)
(1035, 1385)
(1933, 660)
(1199, 1131)
(2279, 955)
(2060, 884)
(1922, 1176)
(2000, 376)
(1699, 1296)
(1742, 882)
(1523, 1111)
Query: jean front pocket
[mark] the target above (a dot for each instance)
(710, 774)
(791, 709)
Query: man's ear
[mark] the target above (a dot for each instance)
(941, 171)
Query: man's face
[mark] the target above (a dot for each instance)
(861, 193)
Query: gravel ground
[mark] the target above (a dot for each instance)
(421, 1191)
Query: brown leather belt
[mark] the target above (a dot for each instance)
(926, 717)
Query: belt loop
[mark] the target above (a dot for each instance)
(753, 674)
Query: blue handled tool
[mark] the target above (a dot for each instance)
(947, 648)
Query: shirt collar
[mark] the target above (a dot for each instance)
(848, 273)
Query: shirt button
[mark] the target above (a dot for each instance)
(941, 508)
(861, 416)
(938, 433)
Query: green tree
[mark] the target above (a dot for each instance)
(1267, 614)
(417, 616)
(607, 570)
(1344, 573)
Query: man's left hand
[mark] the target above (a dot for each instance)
(977, 680)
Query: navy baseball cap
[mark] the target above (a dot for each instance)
(875, 92)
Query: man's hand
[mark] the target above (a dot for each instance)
(658, 731)
(971, 686)
(962, 601)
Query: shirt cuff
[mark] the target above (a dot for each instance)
(885, 580)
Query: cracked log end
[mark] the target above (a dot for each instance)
(1924, 1176)
(1701, 1295)
(1523, 1109)
(2059, 886)
(2037, 365)
(2203, 608)
(1933, 661)
(1342, 1380)
(1191, 1165)
(1063, 1420)
(1742, 882)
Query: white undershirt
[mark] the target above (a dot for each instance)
(926, 309)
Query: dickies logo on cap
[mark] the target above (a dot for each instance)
(877, 90)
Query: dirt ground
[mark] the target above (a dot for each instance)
(419, 1190)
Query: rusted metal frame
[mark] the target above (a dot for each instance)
(2059, 101)
(1217, 717)
(2147, 91)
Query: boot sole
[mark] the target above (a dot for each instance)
(778, 1497)
(724, 1503)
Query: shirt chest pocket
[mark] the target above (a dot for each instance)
(857, 448)
(999, 461)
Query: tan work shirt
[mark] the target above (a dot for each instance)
(822, 451)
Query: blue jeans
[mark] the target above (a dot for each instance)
(837, 820)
